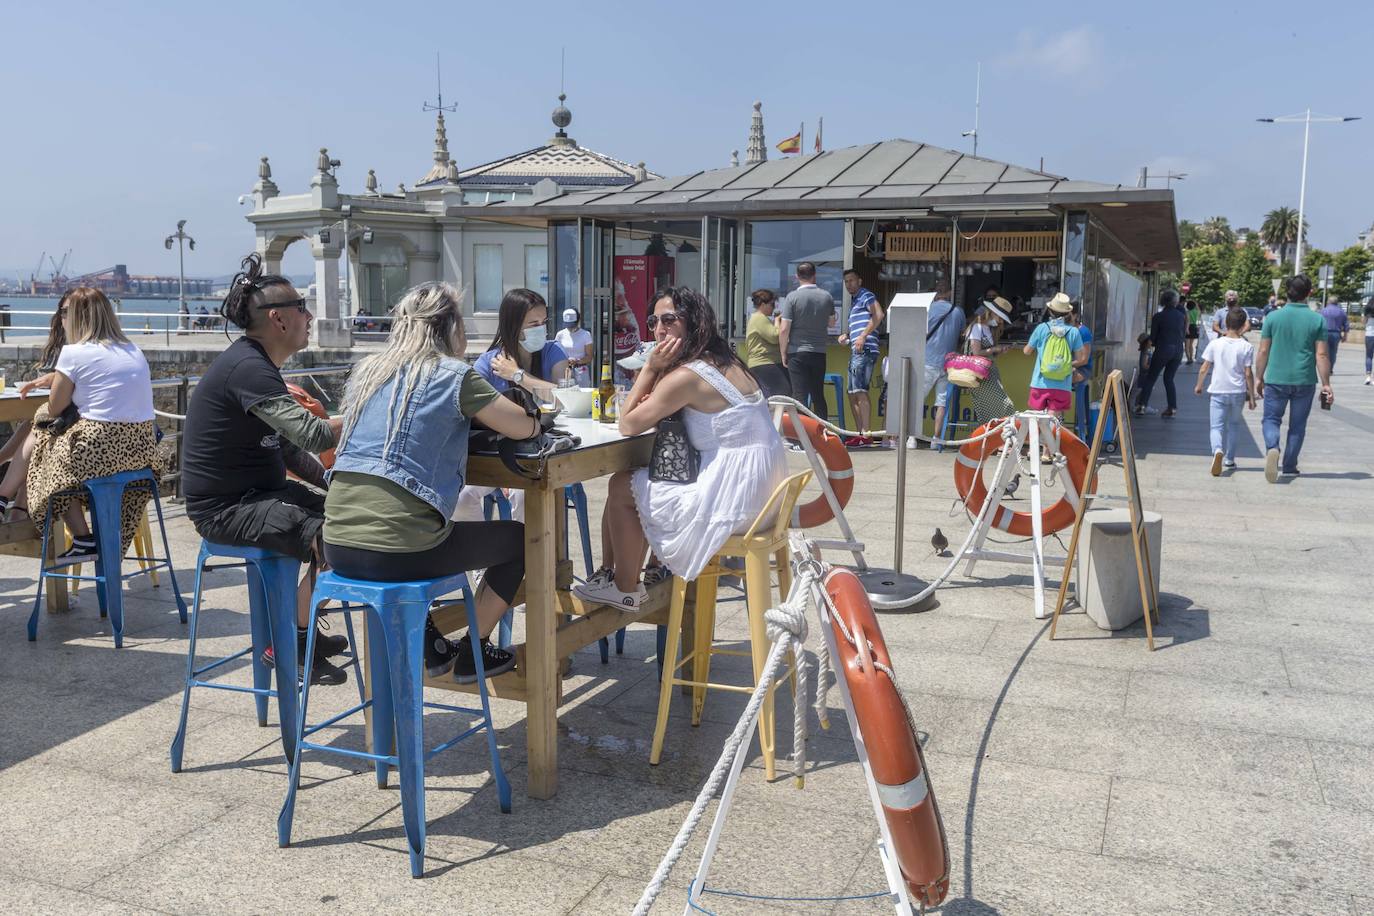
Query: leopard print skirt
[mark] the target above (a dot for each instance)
(89, 449)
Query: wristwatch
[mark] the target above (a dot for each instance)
(518, 377)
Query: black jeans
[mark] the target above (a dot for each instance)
(497, 547)
(1166, 362)
(807, 373)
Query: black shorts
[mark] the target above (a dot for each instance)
(1192, 332)
(286, 521)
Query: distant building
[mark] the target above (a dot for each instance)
(400, 238)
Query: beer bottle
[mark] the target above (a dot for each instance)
(604, 407)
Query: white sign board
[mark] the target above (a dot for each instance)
(906, 346)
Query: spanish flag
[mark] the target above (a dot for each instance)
(792, 144)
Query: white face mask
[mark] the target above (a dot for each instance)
(533, 339)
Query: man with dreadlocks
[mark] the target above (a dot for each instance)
(244, 431)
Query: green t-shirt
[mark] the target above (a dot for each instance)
(761, 341)
(1293, 332)
(1194, 315)
(368, 512)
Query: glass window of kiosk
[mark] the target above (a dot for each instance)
(651, 255)
(774, 248)
(901, 255)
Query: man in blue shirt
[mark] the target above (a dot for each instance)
(1337, 327)
(865, 314)
(1167, 331)
(944, 325)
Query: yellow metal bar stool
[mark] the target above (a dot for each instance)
(764, 543)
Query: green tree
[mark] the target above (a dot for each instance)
(1280, 230)
(1313, 260)
(1189, 234)
(1350, 268)
(1251, 276)
(1216, 230)
(1202, 268)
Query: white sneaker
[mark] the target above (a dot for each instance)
(911, 443)
(608, 593)
(1217, 459)
(1271, 465)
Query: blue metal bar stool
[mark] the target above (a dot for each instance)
(396, 614)
(106, 497)
(836, 382)
(270, 575)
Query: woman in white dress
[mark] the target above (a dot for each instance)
(691, 369)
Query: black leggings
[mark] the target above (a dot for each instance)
(497, 547)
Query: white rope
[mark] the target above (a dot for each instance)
(787, 629)
(782, 401)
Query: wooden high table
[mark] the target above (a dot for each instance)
(22, 538)
(536, 678)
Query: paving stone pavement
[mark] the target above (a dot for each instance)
(1231, 771)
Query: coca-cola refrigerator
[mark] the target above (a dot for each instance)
(637, 278)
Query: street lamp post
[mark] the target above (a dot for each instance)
(182, 239)
(1307, 120)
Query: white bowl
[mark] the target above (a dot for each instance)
(577, 402)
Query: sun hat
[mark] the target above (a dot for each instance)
(999, 308)
(1060, 304)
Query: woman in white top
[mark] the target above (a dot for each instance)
(105, 379)
(576, 342)
(693, 370)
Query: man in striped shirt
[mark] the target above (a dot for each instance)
(865, 314)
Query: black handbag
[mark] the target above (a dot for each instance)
(549, 441)
(673, 458)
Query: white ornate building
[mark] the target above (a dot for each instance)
(398, 238)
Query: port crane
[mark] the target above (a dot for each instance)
(59, 270)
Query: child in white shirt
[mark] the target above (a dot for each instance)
(1233, 385)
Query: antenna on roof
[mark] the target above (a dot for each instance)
(977, 103)
(562, 69)
(439, 82)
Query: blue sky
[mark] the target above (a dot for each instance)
(119, 123)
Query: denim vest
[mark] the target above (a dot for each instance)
(424, 449)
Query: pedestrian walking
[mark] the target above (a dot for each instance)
(1058, 350)
(1194, 320)
(1292, 358)
(1232, 387)
(804, 334)
(865, 314)
(1337, 328)
(1167, 333)
(1369, 341)
(1219, 316)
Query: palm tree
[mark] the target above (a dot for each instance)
(1280, 230)
(1216, 230)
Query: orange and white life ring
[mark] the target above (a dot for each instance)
(838, 467)
(304, 399)
(894, 753)
(968, 481)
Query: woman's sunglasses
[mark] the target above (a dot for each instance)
(297, 304)
(668, 318)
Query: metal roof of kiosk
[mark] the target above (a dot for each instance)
(891, 177)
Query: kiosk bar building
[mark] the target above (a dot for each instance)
(904, 214)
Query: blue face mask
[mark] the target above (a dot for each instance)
(533, 339)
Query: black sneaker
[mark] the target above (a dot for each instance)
(328, 645)
(494, 661)
(323, 673)
(83, 550)
(440, 651)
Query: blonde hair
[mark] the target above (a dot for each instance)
(93, 318)
(426, 326)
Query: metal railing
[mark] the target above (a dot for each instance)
(182, 385)
(168, 324)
